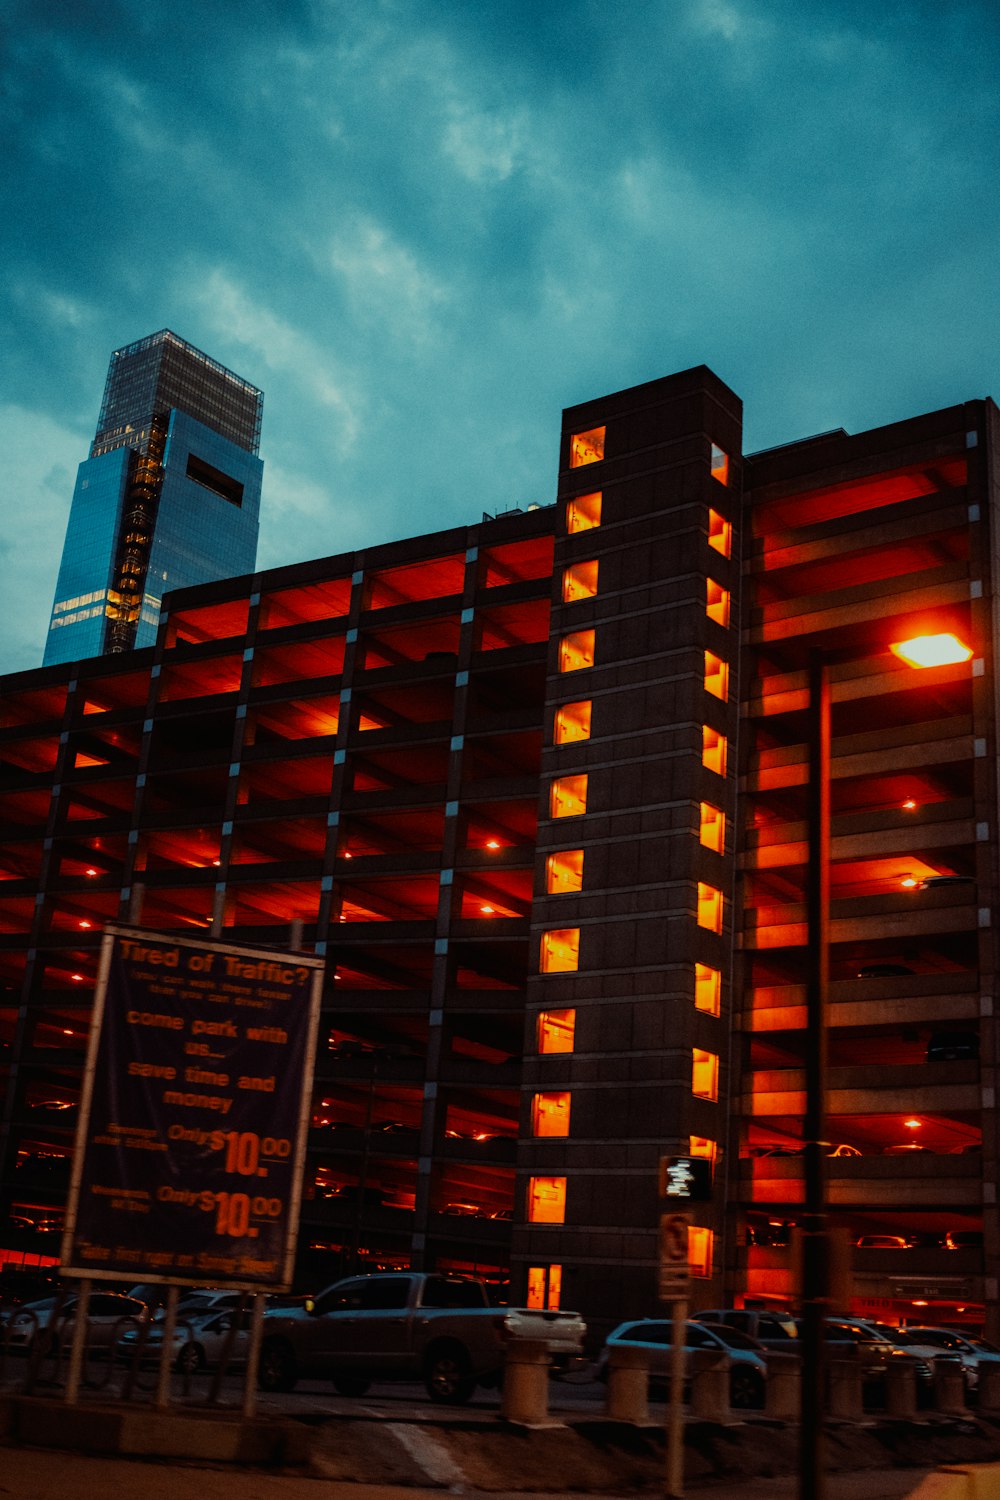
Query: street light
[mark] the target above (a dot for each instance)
(932, 651)
(939, 650)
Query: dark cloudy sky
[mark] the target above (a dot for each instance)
(425, 226)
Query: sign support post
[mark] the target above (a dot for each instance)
(674, 1291)
(683, 1180)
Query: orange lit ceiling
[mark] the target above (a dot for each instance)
(436, 578)
(201, 679)
(294, 719)
(870, 492)
(299, 662)
(516, 561)
(35, 706)
(327, 600)
(819, 580)
(213, 622)
(30, 755)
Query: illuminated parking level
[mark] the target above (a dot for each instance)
(535, 789)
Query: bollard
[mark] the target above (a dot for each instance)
(949, 1387)
(784, 1387)
(988, 1387)
(901, 1390)
(844, 1390)
(525, 1396)
(628, 1385)
(710, 1386)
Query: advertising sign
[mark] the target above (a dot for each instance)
(194, 1113)
(674, 1271)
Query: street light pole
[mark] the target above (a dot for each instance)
(815, 1243)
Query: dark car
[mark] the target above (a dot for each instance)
(952, 1046)
(773, 1328)
(876, 1346)
(972, 1351)
(748, 1359)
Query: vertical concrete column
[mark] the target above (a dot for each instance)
(949, 1387)
(710, 1386)
(784, 1387)
(526, 1382)
(628, 1386)
(844, 1390)
(901, 1390)
(988, 1389)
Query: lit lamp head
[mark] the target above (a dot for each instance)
(944, 650)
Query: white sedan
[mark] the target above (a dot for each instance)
(199, 1341)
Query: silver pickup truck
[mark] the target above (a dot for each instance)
(407, 1325)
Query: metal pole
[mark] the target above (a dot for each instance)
(815, 1265)
(162, 1398)
(80, 1317)
(253, 1356)
(675, 1400)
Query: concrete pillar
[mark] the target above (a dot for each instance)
(628, 1385)
(710, 1386)
(949, 1387)
(784, 1387)
(525, 1396)
(844, 1390)
(901, 1390)
(988, 1389)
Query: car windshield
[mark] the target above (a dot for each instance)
(734, 1337)
(644, 1333)
(983, 1344)
(895, 1335)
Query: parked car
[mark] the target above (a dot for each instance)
(401, 1325)
(200, 1301)
(748, 1367)
(107, 1315)
(199, 1341)
(876, 1345)
(964, 1239)
(972, 1351)
(952, 1046)
(841, 1149)
(773, 1328)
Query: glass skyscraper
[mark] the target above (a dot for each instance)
(170, 496)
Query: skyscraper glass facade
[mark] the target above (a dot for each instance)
(169, 497)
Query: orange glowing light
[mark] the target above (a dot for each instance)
(919, 1302)
(493, 843)
(85, 924)
(913, 1124)
(91, 872)
(909, 804)
(77, 977)
(944, 650)
(488, 911)
(909, 882)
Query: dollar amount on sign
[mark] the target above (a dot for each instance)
(245, 1150)
(234, 1211)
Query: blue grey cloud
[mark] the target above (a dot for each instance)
(424, 227)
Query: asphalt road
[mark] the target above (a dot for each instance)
(33, 1474)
